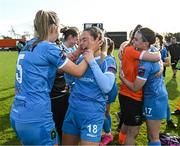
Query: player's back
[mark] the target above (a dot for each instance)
(34, 77)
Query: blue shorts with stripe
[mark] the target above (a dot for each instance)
(87, 125)
(155, 108)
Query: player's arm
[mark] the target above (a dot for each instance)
(73, 69)
(57, 57)
(150, 56)
(161, 69)
(75, 55)
(121, 49)
(104, 80)
(143, 73)
(144, 55)
(166, 59)
(136, 86)
(166, 62)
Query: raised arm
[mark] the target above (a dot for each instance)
(104, 80)
(75, 55)
(143, 55)
(73, 69)
(151, 56)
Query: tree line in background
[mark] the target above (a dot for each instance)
(169, 35)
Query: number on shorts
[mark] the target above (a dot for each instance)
(92, 128)
(148, 110)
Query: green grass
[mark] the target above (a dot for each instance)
(173, 87)
(7, 76)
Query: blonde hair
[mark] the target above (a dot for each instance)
(43, 20)
(110, 48)
(104, 45)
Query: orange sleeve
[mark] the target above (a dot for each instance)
(133, 53)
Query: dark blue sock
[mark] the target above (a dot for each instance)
(168, 114)
(107, 124)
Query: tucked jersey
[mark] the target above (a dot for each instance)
(35, 74)
(154, 86)
(86, 95)
(130, 61)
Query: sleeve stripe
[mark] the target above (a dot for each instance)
(141, 78)
(108, 72)
(63, 63)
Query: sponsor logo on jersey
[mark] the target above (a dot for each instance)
(141, 71)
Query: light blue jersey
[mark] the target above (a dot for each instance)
(35, 74)
(110, 61)
(155, 93)
(86, 94)
(87, 104)
(110, 64)
(67, 50)
(164, 54)
(69, 79)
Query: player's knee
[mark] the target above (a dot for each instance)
(133, 132)
(153, 136)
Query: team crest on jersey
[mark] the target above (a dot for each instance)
(53, 134)
(62, 55)
(141, 71)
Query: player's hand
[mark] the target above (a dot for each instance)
(95, 44)
(161, 70)
(88, 55)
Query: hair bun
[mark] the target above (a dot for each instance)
(64, 29)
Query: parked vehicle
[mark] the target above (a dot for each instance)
(9, 44)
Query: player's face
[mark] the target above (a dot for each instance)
(173, 40)
(85, 39)
(157, 41)
(72, 40)
(138, 41)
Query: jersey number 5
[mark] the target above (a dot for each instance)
(19, 69)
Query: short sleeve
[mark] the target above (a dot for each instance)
(135, 54)
(144, 70)
(111, 65)
(56, 57)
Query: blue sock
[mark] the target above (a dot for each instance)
(154, 143)
(107, 124)
(168, 114)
